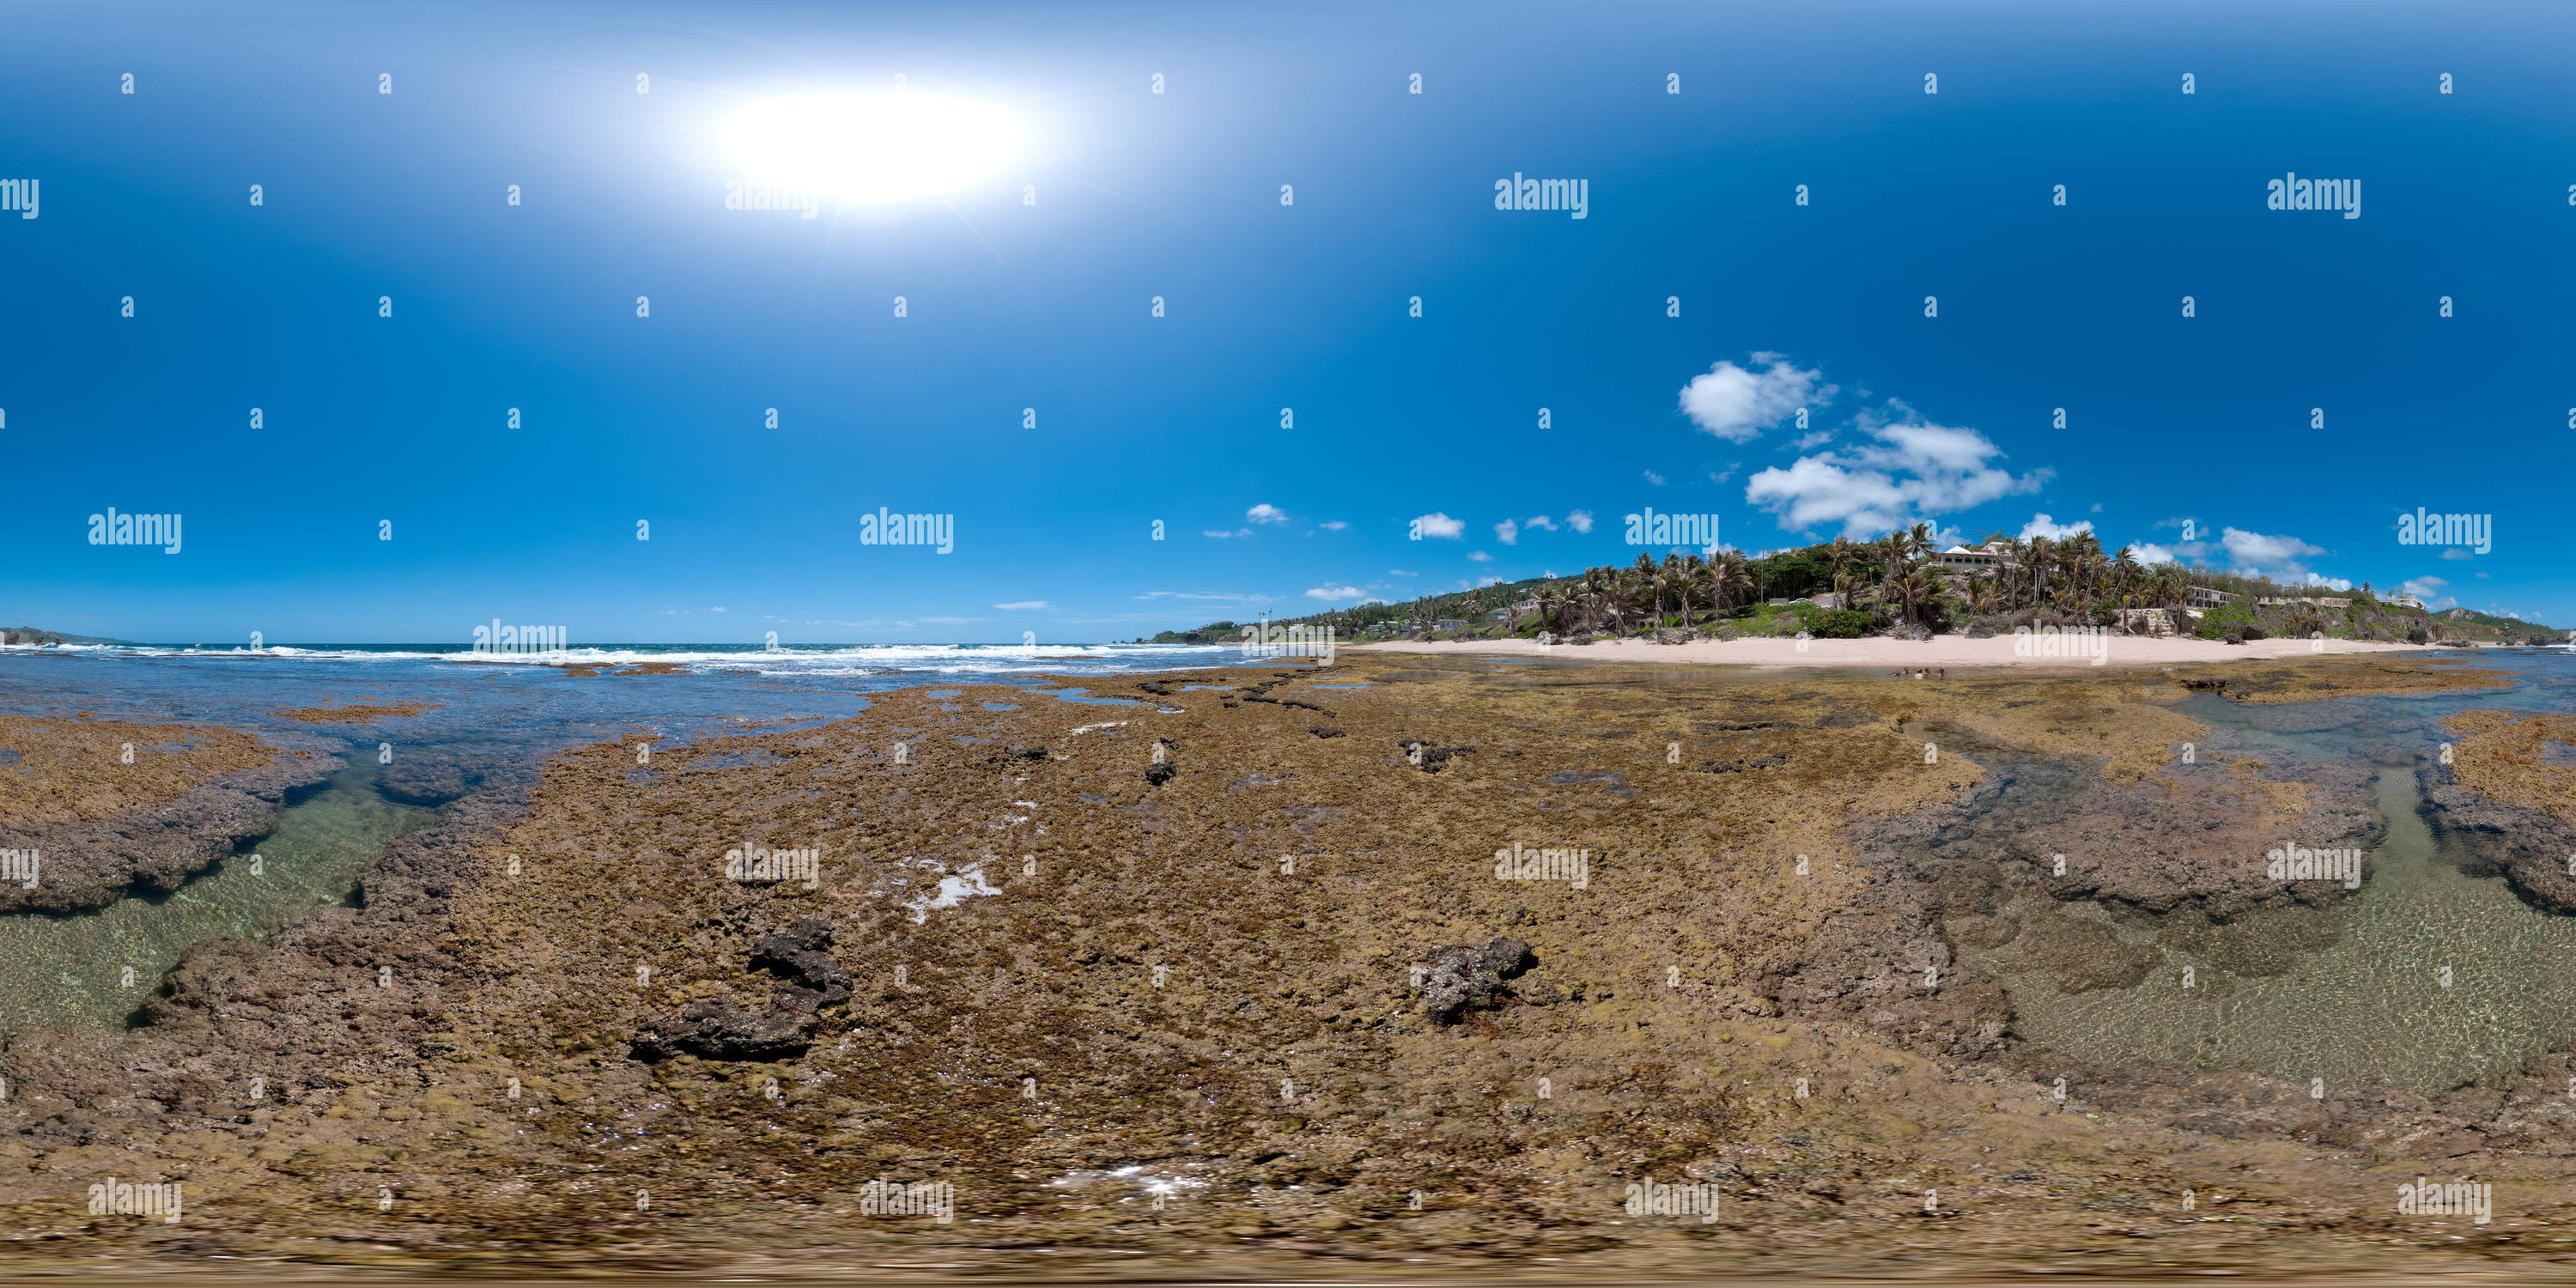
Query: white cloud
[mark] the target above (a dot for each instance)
(1239, 532)
(1736, 403)
(2428, 589)
(1485, 581)
(1480, 556)
(2149, 554)
(1436, 524)
(717, 609)
(1721, 476)
(1508, 532)
(1399, 572)
(2459, 552)
(1266, 513)
(2041, 526)
(1654, 478)
(1332, 525)
(1810, 441)
(951, 621)
(1580, 520)
(1540, 523)
(1915, 471)
(2330, 583)
(2250, 547)
(1329, 593)
(1022, 606)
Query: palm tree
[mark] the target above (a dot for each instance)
(1736, 574)
(1916, 587)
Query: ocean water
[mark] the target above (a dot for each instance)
(2426, 978)
(486, 713)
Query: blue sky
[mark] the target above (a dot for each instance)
(1012, 306)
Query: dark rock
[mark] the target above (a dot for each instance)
(1462, 976)
(797, 957)
(713, 1030)
(1431, 759)
(1161, 772)
(1326, 731)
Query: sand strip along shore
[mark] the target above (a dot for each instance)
(1940, 650)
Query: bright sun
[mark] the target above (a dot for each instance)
(870, 148)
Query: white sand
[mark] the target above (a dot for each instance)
(1888, 654)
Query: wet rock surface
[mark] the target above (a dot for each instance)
(1214, 985)
(104, 826)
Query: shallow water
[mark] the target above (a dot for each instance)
(2435, 979)
(2354, 993)
(73, 969)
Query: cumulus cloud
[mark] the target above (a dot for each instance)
(2330, 583)
(1737, 403)
(2041, 526)
(1480, 556)
(1332, 525)
(1508, 532)
(1436, 524)
(1914, 471)
(2245, 548)
(1022, 606)
(1482, 582)
(2149, 554)
(1540, 523)
(1329, 593)
(1266, 513)
(1580, 520)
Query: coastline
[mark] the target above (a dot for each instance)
(463, 1038)
(1878, 651)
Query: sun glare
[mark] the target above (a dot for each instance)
(870, 148)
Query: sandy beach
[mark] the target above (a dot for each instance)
(1940, 650)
